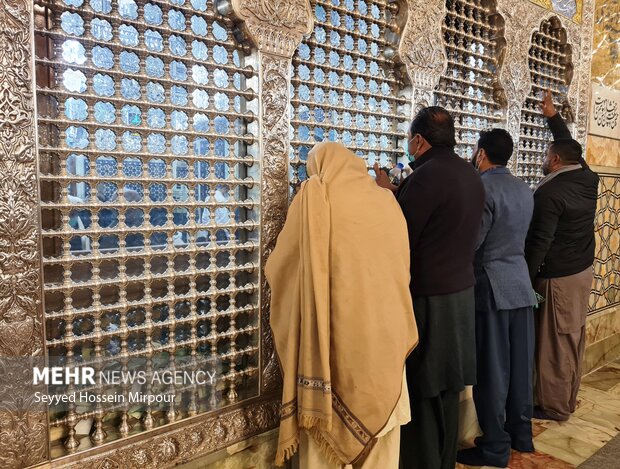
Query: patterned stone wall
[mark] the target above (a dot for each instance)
(603, 327)
(605, 71)
(605, 153)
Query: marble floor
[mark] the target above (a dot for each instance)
(595, 422)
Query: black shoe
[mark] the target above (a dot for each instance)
(473, 457)
(540, 414)
(523, 446)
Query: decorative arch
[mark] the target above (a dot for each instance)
(470, 89)
(550, 66)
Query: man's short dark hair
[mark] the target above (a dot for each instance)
(436, 125)
(498, 145)
(568, 149)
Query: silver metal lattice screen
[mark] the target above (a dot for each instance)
(469, 89)
(150, 205)
(343, 88)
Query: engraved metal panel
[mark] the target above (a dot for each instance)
(571, 9)
(149, 204)
(470, 89)
(344, 88)
(550, 68)
(23, 425)
(276, 29)
(423, 55)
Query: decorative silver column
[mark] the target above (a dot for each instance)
(23, 431)
(276, 28)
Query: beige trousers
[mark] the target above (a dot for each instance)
(560, 341)
(385, 452)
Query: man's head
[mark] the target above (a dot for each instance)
(561, 152)
(494, 148)
(431, 127)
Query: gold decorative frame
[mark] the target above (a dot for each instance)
(275, 27)
(182, 442)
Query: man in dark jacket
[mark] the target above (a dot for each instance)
(504, 310)
(560, 252)
(442, 201)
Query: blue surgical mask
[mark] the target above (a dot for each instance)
(411, 158)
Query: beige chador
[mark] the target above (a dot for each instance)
(341, 315)
(560, 341)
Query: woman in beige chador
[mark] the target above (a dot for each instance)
(342, 346)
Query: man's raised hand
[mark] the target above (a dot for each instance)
(547, 106)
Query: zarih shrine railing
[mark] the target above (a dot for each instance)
(148, 154)
(473, 34)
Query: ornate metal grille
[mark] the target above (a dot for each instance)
(343, 88)
(606, 288)
(149, 204)
(550, 67)
(470, 89)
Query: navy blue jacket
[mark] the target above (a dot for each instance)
(502, 277)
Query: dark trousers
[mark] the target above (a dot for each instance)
(503, 393)
(442, 364)
(429, 440)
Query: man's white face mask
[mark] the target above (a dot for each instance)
(477, 160)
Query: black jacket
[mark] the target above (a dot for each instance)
(560, 241)
(442, 201)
